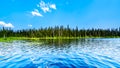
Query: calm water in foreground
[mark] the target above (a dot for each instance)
(80, 53)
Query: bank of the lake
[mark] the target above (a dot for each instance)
(8, 39)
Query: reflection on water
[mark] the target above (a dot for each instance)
(61, 53)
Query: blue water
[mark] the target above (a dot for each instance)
(83, 53)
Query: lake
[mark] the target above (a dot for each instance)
(75, 53)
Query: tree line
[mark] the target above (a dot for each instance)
(60, 31)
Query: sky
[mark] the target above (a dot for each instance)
(25, 14)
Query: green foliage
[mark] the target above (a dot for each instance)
(60, 32)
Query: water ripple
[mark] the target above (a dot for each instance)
(91, 54)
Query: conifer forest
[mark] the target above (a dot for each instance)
(60, 31)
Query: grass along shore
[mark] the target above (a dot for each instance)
(8, 39)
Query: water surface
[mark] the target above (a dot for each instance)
(77, 53)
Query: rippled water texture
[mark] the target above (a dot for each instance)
(82, 53)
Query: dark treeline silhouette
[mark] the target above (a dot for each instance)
(60, 31)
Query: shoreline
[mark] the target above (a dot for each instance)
(8, 39)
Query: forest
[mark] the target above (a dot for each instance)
(60, 31)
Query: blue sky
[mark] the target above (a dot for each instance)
(24, 14)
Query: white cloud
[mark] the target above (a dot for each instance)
(36, 13)
(29, 25)
(2, 23)
(53, 6)
(46, 7)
